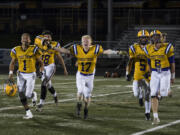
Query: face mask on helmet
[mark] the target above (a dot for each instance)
(143, 40)
(156, 38)
(26, 44)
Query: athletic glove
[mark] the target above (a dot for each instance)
(39, 74)
(147, 75)
(128, 77)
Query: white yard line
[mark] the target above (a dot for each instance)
(157, 128)
(66, 100)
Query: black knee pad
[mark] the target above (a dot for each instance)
(23, 98)
(43, 92)
(51, 90)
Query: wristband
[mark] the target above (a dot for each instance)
(173, 75)
(10, 72)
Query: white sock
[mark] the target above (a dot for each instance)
(41, 101)
(149, 107)
(155, 115)
(146, 107)
(55, 94)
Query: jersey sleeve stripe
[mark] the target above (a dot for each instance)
(58, 44)
(35, 49)
(132, 49)
(75, 49)
(97, 49)
(14, 51)
(168, 48)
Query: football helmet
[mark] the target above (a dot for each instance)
(155, 32)
(10, 88)
(143, 36)
(143, 33)
(156, 36)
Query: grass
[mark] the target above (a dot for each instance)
(116, 114)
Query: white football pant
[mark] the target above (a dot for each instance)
(26, 82)
(49, 72)
(84, 84)
(160, 82)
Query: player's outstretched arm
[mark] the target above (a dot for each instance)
(62, 50)
(62, 63)
(11, 67)
(109, 51)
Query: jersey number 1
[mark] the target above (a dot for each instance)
(87, 64)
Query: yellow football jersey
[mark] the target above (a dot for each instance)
(140, 60)
(160, 59)
(26, 59)
(49, 54)
(86, 60)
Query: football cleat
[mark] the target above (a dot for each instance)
(10, 88)
(56, 100)
(141, 102)
(156, 121)
(28, 115)
(147, 116)
(39, 108)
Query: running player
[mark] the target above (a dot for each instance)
(45, 42)
(161, 58)
(26, 55)
(86, 55)
(138, 57)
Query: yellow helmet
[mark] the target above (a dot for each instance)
(10, 88)
(155, 32)
(143, 33)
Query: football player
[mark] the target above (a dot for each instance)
(164, 37)
(86, 55)
(140, 82)
(26, 55)
(161, 58)
(45, 42)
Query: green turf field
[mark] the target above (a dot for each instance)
(113, 111)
